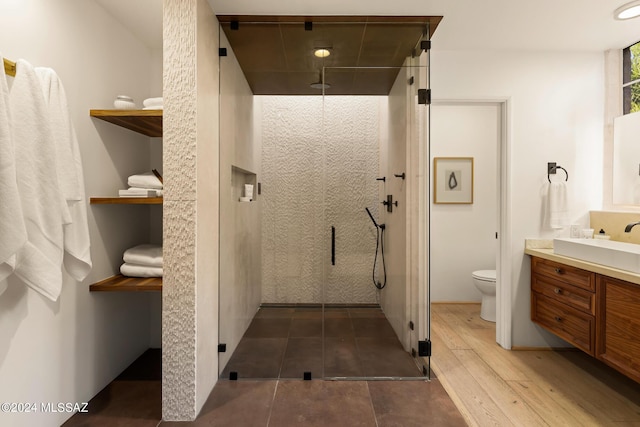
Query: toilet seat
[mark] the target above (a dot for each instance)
(484, 275)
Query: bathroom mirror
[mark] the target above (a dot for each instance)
(626, 159)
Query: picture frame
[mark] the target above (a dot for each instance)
(453, 180)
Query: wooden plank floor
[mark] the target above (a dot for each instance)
(496, 387)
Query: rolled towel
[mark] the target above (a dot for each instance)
(145, 180)
(147, 254)
(152, 102)
(134, 270)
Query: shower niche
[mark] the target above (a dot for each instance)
(240, 179)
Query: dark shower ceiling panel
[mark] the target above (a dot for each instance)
(276, 52)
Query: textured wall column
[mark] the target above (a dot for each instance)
(190, 207)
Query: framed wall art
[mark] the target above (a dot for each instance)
(453, 180)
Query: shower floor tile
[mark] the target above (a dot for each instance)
(285, 342)
(302, 355)
(257, 358)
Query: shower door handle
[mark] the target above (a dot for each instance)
(333, 245)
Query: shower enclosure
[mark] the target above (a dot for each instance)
(298, 295)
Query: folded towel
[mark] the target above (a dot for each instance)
(138, 192)
(152, 102)
(558, 212)
(77, 244)
(156, 107)
(12, 227)
(145, 180)
(134, 270)
(146, 255)
(158, 192)
(39, 261)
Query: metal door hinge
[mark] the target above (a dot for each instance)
(424, 96)
(425, 45)
(424, 348)
(222, 51)
(222, 348)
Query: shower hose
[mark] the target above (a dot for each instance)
(379, 244)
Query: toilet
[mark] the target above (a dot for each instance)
(485, 281)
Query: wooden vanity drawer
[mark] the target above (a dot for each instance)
(572, 325)
(574, 276)
(578, 298)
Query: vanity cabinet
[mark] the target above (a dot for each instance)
(596, 313)
(618, 337)
(563, 302)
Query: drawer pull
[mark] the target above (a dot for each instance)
(559, 270)
(558, 319)
(557, 291)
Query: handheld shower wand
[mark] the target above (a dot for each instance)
(372, 220)
(379, 244)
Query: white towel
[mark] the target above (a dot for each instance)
(77, 245)
(138, 192)
(39, 261)
(134, 270)
(145, 180)
(13, 234)
(558, 211)
(147, 255)
(152, 102)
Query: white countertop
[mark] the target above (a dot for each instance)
(544, 249)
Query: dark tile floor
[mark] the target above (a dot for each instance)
(285, 342)
(134, 400)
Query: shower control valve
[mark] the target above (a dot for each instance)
(389, 203)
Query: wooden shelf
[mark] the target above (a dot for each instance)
(120, 283)
(146, 122)
(125, 200)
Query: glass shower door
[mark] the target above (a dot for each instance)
(372, 314)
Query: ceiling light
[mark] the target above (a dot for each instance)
(322, 53)
(628, 11)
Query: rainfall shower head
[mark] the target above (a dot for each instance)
(371, 216)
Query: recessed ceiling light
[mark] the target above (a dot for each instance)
(628, 11)
(322, 53)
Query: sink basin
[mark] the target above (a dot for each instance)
(621, 255)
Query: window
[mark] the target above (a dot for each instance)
(631, 78)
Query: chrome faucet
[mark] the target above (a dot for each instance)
(628, 228)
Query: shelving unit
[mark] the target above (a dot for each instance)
(148, 123)
(125, 200)
(120, 283)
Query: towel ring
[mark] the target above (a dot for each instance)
(555, 168)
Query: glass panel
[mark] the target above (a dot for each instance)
(369, 142)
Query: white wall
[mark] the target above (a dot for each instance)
(240, 233)
(556, 115)
(393, 159)
(69, 350)
(463, 236)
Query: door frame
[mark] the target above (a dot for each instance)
(504, 276)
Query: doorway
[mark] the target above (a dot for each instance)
(483, 225)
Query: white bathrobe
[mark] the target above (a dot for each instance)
(13, 234)
(77, 255)
(39, 261)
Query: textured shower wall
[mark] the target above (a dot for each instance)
(315, 176)
(190, 209)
